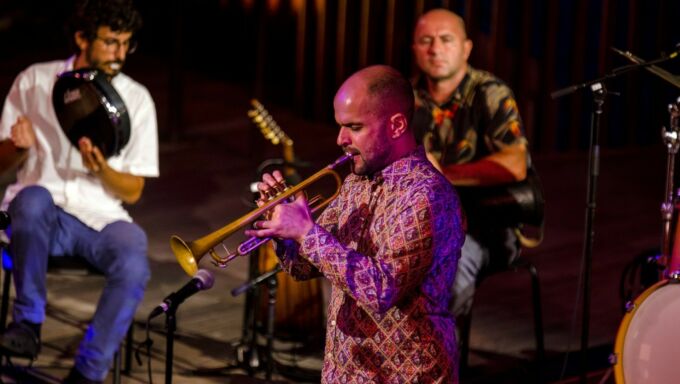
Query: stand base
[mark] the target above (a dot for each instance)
(255, 363)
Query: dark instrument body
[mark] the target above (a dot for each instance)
(87, 105)
(505, 205)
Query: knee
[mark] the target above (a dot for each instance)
(130, 269)
(30, 204)
(135, 269)
(126, 244)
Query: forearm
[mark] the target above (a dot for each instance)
(289, 257)
(125, 186)
(478, 173)
(505, 166)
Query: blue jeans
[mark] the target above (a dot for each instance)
(40, 229)
(482, 252)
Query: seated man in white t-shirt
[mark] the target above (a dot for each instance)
(68, 198)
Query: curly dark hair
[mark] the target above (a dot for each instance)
(89, 15)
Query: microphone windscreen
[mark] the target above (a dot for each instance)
(205, 277)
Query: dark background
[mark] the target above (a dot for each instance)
(203, 60)
(295, 53)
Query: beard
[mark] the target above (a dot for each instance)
(379, 158)
(110, 68)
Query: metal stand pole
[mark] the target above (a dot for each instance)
(272, 285)
(672, 141)
(270, 278)
(170, 326)
(599, 95)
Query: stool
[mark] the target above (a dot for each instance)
(465, 321)
(66, 265)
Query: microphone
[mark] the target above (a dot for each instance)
(202, 280)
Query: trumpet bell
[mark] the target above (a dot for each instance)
(185, 257)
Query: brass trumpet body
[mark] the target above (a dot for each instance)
(189, 254)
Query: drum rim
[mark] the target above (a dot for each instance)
(625, 323)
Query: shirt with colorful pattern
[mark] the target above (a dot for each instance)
(389, 244)
(480, 118)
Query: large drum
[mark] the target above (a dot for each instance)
(648, 341)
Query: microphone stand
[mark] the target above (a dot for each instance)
(272, 284)
(599, 96)
(171, 327)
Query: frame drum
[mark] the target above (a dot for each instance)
(87, 105)
(648, 341)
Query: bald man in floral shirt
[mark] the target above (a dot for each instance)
(388, 244)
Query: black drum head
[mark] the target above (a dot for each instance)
(87, 105)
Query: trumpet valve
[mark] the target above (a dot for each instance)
(251, 244)
(222, 261)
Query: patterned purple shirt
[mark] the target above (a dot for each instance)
(389, 244)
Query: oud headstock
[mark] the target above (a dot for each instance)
(268, 126)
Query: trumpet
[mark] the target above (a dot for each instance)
(189, 254)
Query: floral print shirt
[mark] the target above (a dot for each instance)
(389, 244)
(478, 119)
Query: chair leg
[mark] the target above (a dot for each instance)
(464, 322)
(538, 319)
(4, 304)
(464, 327)
(538, 314)
(129, 344)
(116, 367)
(125, 347)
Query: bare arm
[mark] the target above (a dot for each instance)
(505, 166)
(13, 151)
(126, 186)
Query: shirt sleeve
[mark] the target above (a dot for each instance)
(15, 106)
(288, 251)
(404, 248)
(504, 125)
(141, 153)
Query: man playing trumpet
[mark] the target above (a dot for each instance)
(389, 243)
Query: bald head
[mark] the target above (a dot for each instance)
(441, 16)
(441, 49)
(373, 109)
(386, 90)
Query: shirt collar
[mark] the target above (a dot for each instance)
(457, 95)
(397, 168)
(69, 63)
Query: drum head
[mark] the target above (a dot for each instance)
(87, 105)
(649, 338)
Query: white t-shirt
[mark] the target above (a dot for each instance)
(56, 164)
